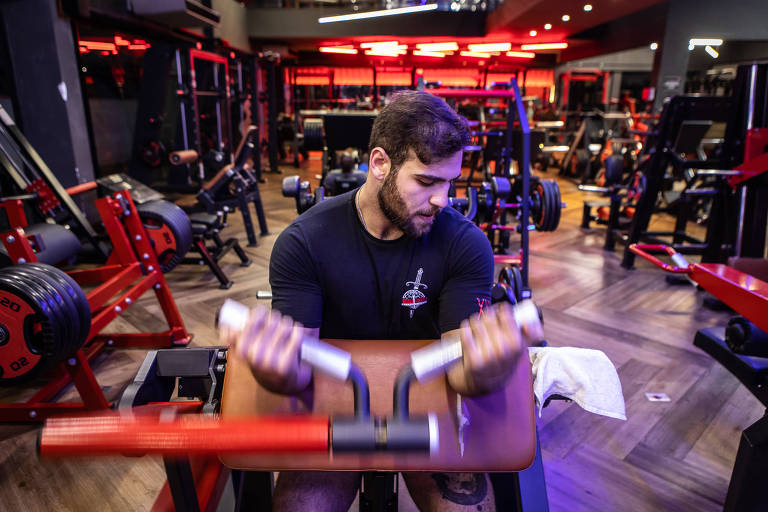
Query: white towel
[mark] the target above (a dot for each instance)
(583, 375)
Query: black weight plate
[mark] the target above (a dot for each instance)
(313, 134)
(614, 168)
(291, 186)
(64, 307)
(70, 287)
(502, 292)
(517, 283)
(505, 276)
(64, 334)
(536, 206)
(540, 206)
(168, 214)
(558, 205)
(552, 200)
(73, 297)
(40, 342)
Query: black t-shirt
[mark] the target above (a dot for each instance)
(327, 271)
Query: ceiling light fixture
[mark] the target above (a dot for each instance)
(711, 51)
(705, 42)
(438, 47)
(565, 17)
(425, 53)
(337, 49)
(544, 46)
(377, 14)
(479, 55)
(548, 26)
(532, 33)
(522, 55)
(380, 44)
(654, 46)
(490, 47)
(385, 53)
(587, 7)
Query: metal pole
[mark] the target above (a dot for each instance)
(742, 188)
(525, 172)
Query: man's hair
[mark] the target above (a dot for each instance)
(421, 122)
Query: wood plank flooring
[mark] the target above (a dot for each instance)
(674, 456)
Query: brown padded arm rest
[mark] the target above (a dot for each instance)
(501, 435)
(211, 182)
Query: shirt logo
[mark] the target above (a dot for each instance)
(413, 298)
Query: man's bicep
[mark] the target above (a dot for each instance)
(470, 275)
(296, 289)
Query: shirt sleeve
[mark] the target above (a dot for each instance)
(296, 290)
(470, 275)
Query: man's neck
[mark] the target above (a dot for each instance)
(373, 219)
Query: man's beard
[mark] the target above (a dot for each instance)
(396, 211)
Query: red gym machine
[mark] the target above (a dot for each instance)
(132, 264)
(141, 249)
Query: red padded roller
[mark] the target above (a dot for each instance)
(117, 434)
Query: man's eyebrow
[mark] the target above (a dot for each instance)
(436, 178)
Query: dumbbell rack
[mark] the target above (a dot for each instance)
(132, 264)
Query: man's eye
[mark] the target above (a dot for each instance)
(426, 183)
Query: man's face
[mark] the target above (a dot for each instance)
(414, 194)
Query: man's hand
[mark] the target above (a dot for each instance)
(271, 342)
(491, 342)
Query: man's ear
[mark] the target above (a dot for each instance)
(379, 163)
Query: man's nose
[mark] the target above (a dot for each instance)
(439, 199)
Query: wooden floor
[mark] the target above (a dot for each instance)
(674, 456)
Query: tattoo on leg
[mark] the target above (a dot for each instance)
(462, 488)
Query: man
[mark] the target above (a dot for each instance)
(388, 261)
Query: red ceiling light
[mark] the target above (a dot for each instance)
(338, 49)
(479, 55)
(533, 33)
(424, 53)
(385, 52)
(119, 41)
(381, 44)
(138, 47)
(521, 55)
(98, 45)
(544, 46)
(489, 47)
(438, 47)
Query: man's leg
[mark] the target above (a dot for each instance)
(451, 492)
(315, 491)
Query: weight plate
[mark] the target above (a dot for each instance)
(556, 205)
(64, 334)
(291, 186)
(23, 315)
(313, 135)
(70, 288)
(613, 170)
(502, 292)
(517, 283)
(539, 212)
(500, 187)
(68, 306)
(169, 230)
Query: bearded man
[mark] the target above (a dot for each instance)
(387, 261)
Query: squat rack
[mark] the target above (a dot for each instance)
(524, 160)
